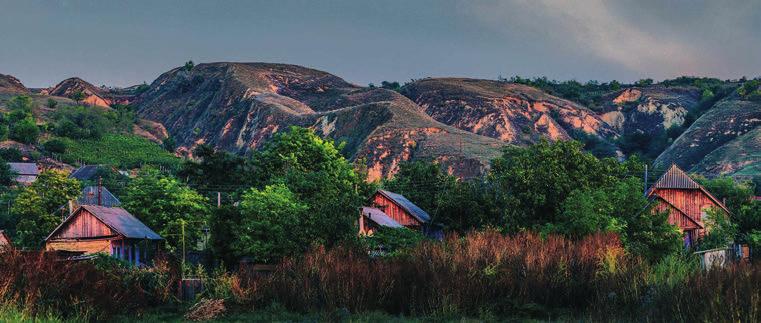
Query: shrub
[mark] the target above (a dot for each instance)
(24, 131)
(57, 146)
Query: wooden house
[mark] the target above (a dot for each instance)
(95, 229)
(686, 201)
(5, 241)
(26, 173)
(395, 209)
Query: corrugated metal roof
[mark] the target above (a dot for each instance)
(122, 222)
(410, 207)
(25, 168)
(85, 173)
(380, 217)
(90, 197)
(675, 177)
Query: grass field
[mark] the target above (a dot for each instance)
(127, 151)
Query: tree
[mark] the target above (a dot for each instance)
(52, 104)
(78, 96)
(24, 131)
(314, 170)
(189, 66)
(163, 204)
(733, 194)
(7, 175)
(22, 104)
(214, 170)
(37, 206)
(619, 208)
(271, 222)
(721, 231)
(533, 182)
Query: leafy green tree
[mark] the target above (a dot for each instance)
(22, 104)
(314, 170)
(57, 146)
(38, 206)
(24, 131)
(225, 224)
(215, 170)
(164, 204)
(533, 182)
(721, 231)
(78, 96)
(189, 66)
(733, 194)
(271, 219)
(80, 122)
(7, 176)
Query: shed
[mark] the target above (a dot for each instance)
(26, 173)
(401, 210)
(100, 229)
(371, 219)
(686, 201)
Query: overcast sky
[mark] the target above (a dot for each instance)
(122, 43)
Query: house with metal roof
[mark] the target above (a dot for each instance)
(26, 173)
(95, 229)
(390, 209)
(686, 201)
(85, 173)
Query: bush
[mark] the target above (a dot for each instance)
(57, 146)
(25, 131)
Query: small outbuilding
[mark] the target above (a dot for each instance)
(26, 173)
(85, 173)
(392, 209)
(95, 229)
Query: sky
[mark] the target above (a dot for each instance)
(122, 43)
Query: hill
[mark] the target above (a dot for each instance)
(721, 141)
(11, 85)
(510, 112)
(238, 106)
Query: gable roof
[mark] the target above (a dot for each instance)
(676, 178)
(408, 206)
(89, 196)
(25, 168)
(117, 219)
(5, 241)
(379, 217)
(84, 173)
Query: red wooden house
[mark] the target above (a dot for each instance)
(393, 210)
(5, 241)
(95, 229)
(686, 201)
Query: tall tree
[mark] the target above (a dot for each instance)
(164, 204)
(38, 206)
(314, 170)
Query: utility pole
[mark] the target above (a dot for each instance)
(219, 200)
(182, 225)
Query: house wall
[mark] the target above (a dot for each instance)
(84, 225)
(693, 202)
(394, 211)
(676, 217)
(86, 246)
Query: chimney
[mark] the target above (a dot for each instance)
(100, 191)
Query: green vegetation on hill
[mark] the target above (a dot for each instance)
(126, 151)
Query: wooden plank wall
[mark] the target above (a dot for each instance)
(394, 211)
(83, 225)
(87, 246)
(692, 202)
